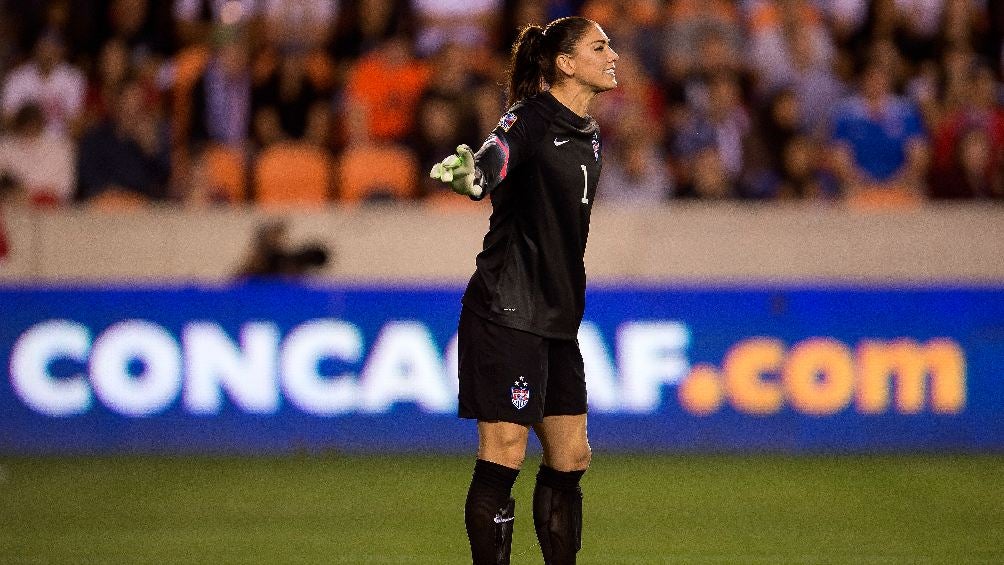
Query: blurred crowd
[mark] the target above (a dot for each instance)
(123, 103)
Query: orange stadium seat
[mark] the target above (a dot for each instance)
(372, 172)
(226, 172)
(887, 198)
(292, 174)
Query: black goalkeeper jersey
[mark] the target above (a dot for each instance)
(540, 166)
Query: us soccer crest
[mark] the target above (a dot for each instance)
(507, 121)
(596, 146)
(520, 393)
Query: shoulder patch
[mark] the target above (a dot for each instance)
(507, 121)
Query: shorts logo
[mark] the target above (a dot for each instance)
(520, 393)
(507, 121)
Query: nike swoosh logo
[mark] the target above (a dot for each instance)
(559, 143)
(501, 520)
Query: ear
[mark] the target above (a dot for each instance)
(565, 64)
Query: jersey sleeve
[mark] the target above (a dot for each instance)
(512, 142)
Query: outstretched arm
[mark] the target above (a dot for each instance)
(477, 174)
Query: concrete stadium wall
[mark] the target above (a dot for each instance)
(679, 243)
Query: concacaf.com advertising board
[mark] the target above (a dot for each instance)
(287, 367)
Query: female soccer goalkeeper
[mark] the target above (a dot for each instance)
(520, 365)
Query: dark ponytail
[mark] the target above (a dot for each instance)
(532, 61)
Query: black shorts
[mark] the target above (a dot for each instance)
(515, 376)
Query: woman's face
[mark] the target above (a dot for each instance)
(593, 60)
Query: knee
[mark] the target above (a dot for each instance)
(571, 457)
(506, 450)
(582, 457)
(587, 457)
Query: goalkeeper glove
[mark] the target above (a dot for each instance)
(458, 171)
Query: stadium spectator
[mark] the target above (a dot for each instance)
(443, 117)
(845, 18)
(781, 32)
(283, 99)
(703, 177)
(968, 142)
(775, 126)
(196, 19)
(879, 143)
(21, 22)
(127, 153)
(450, 78)
(488, 102)
(220, 93)
(816, 85)
(970, 173)
(963, 23)
(292, 63)
(634, 171)
(855, 26)
(802, 174)
(113, 66)
(462, 22)
(699, 29)
(386, 85)
(321, 125)
(924, 89)
(646, 35)
(145, 27)
(720, 127)
(77, 24)
(711, 43)
(302, 25)
(364, 25)
(919, 28)
(38, 163)
(49, 81)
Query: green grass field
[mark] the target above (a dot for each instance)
(639, 509)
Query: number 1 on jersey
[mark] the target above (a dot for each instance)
(585, 184)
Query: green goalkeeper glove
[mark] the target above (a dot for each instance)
(458, 171)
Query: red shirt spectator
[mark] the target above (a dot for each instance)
(970, 137)
(387, 84)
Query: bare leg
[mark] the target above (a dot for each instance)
(503, 443)
(566, 447)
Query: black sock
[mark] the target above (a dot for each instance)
(557, 514)
(489, 513)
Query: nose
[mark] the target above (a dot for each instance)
(613, 55)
